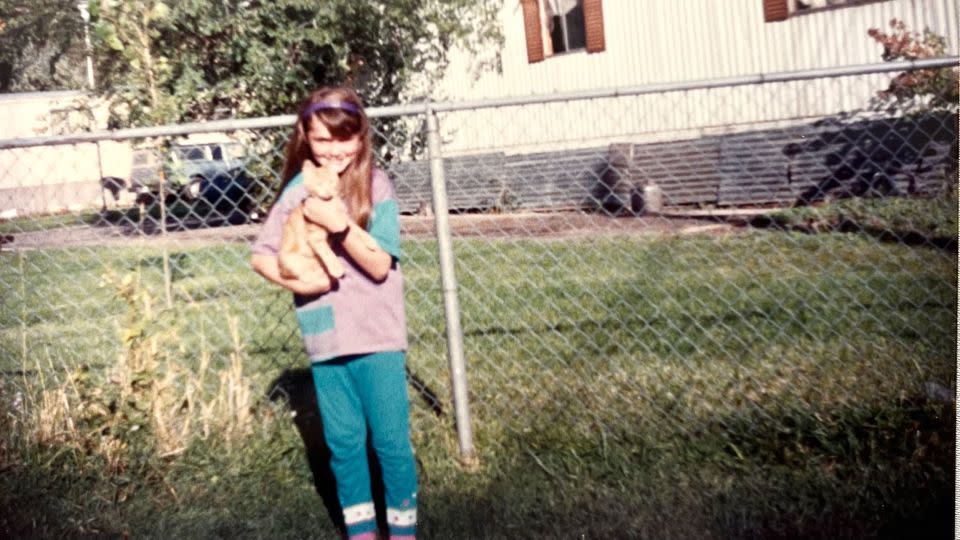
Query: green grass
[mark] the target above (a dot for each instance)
(764, 384)
(32, 224)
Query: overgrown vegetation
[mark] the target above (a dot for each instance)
(931, 221)
(938, 86)
(163, 62)
(177, 61)
(762, 384)
(41, 45)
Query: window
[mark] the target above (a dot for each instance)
(559, 26)
(780, 10)
(190, 153)
(564, 20)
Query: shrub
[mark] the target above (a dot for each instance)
(939, 86)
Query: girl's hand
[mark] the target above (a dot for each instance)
(268, 267)
(331, 214)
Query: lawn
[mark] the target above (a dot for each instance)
(751, 385)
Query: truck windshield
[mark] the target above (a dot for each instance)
(190, 153)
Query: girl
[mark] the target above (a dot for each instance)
(354, 329)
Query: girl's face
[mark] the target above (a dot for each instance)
(338, 153)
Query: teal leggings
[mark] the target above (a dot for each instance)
(356, 393)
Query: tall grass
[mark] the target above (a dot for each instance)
(758, 385)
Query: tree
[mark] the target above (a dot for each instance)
(131, 63)
(188, 60)
(41, 45)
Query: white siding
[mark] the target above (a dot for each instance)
(68, 175)
(655, 41)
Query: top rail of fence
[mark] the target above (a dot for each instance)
(426, 107)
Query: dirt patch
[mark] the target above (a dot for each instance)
(526, 225)
(80, 236)
(560, 225)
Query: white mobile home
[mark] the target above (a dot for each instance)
(44, 179)
(556, 46)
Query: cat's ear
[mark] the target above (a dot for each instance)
(309, 167)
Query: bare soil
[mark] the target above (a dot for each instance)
(562, 225)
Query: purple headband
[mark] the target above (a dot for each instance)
(327, 105)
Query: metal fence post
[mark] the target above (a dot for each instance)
(455, 356)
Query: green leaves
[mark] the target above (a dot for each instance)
(939, 85)
(41, 45)
(188, 60)
(192, 60)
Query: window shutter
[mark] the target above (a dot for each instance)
(775, 10)
(531, 27)
(593, 23)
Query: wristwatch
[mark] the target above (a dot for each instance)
(339, 236)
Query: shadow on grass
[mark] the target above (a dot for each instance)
(296, 388)
(908, 238)
(881, 471)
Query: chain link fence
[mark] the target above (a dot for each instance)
(742, 270)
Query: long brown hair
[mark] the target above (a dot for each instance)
(342, 124)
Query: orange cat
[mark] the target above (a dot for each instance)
(305, 251)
